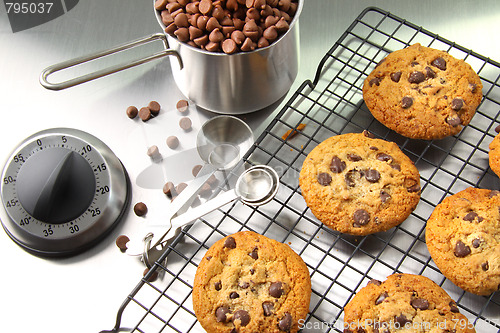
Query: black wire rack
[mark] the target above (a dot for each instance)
(339, 264)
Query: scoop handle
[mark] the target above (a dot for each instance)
(195, 213)
(109, 70)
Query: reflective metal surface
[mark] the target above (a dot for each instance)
(83, 292)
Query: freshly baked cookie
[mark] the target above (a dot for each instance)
(463, 238)
(404, 300)
(247, 282)
(494, 155)
(423, 93)
(359, 185)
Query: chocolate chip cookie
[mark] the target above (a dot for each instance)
(423, 93)
(359, 185)
(247, 282)
(494, 155)
(407, 301)
(463, 238)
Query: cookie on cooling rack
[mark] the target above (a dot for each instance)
(359, 185)
(463, 238)
(247, 282)
(494, 155)
(423, 93)
(404, 300)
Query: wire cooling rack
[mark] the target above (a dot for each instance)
(339, 264)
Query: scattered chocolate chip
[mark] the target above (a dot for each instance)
(196, 169)
(381, 298)
(416, 77)
(221, 312)
(353, 157)
(457, 104)
(476, 242)
(384, 196)
(180, 187)
(154, 107)
(172, 142)
(234, 295)
(485, 266)
(268, 308)
(153, 151)
(276, 289)
(218, 285)
(406, 102)
(132, 112)
(337, 165)
(242, 316)
(185, 123)
(368, 134)
(429, 73)
(400, 321)
(384, 157)
(169, 188)
(230, 243)
(182, 105)
(453, 307)
(285, 323)
(420, 304)
(439, 63)
(454, 120)
(396, 76)
(121, 242)
(461, 250)
(144, 114)
(361, 217)
(140, 209)
(372, 175)
(153, 275)
(374, 81)
(254, 254)
(324, 179)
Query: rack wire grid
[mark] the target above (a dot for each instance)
(339, 264)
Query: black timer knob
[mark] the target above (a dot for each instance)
(56, 185)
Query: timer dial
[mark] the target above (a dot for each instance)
(62, 190)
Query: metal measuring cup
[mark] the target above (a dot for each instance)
(221, 142)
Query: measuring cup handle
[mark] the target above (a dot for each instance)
(110, 70)
(203, 209)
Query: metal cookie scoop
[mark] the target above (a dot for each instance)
(255, 186)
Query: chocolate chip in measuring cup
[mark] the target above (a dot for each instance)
(268, 21)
